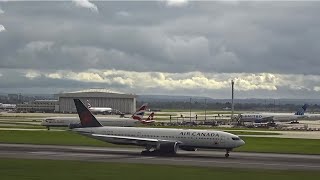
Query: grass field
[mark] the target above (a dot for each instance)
(13, 169)
(48, 137)
(253, 144)
(281, 145)
(22, 126)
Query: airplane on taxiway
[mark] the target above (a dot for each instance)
(160, 140)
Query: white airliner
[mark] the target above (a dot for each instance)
(161, 140)
(99, 110)
(7, 106)
(135, 120)
(269, 117)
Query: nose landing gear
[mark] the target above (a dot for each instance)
(227, 153)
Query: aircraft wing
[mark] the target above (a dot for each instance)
(132, 140)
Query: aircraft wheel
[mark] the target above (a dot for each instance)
(226, 155)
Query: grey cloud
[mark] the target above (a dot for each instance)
(245, 38)
(250, 37)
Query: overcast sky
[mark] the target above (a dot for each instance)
(176, 47)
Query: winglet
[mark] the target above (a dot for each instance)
(86, 117)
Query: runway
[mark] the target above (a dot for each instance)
(202, 158)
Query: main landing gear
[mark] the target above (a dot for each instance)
(147, 151)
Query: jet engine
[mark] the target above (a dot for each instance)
(168, 147)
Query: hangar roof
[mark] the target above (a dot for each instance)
(96, 94)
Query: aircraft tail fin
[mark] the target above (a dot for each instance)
(150, 116)
(302, 110)
(138, 115)
(86, 117)
(149, 119)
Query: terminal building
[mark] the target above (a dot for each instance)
(47, 106)
(125, 103)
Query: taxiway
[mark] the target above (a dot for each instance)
(202, 158)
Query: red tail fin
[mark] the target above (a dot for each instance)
(150, 116)
(86, 117)
(149, 119)
(138, 115)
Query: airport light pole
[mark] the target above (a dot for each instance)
(190, 109)
(205, 109)
(232, 97)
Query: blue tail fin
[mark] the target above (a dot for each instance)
(86, 117)
(302, 110)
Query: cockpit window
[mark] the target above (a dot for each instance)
(235, 138)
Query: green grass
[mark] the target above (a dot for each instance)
(48, 137)
(200, 111)
(21, 123)
(13, 169)
(239, 133)
(162, 114)
(281, 145)
(219, 112)
(22, 126)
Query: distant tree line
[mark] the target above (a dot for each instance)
(270, 107)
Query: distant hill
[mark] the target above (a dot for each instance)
(199, 99)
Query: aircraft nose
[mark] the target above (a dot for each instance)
(242, 142)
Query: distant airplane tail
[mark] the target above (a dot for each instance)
(138, 115)
(86, 117)
(150, 116)
(149, 119)
(302, 110)
(88, 104)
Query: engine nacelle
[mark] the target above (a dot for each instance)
(188, 148)
(167, 147)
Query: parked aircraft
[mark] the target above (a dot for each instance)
(99, 110)
(271, 117)
(134, 120)
(7, 106)
(161, 140)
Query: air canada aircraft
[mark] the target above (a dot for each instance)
(161, 140)
(135, 120)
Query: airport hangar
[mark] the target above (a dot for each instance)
(125, 103)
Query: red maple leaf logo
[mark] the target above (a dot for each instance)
(86, 118)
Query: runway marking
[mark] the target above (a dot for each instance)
(43, 152)
(143, 158)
